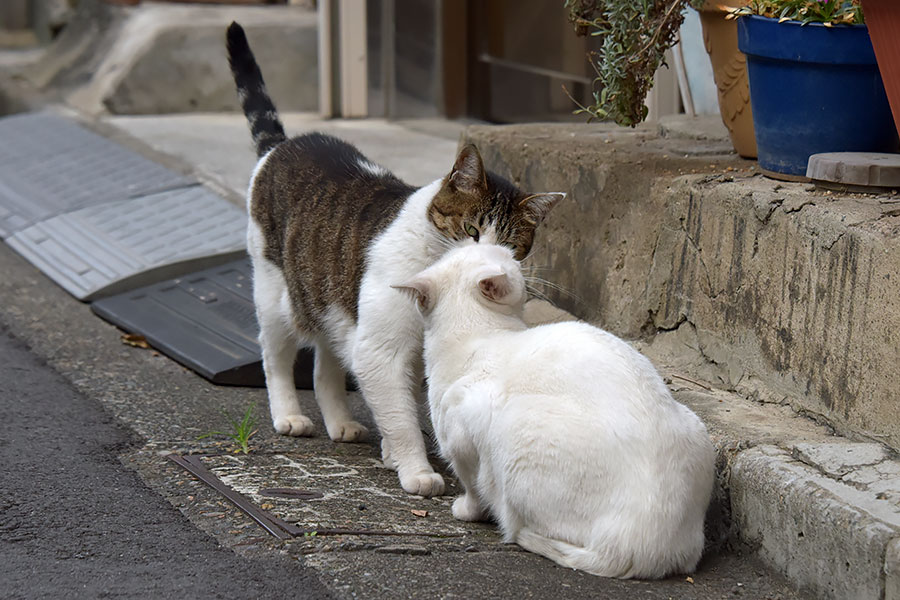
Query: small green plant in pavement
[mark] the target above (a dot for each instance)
(241, 431)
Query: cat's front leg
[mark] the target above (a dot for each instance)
(383, 363)
(386, 458)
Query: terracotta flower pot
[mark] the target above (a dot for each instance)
(730, 73)
(883, 19)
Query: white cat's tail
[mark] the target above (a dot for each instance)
(607, 564)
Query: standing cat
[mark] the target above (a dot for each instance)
(329, 232)
(564, 433)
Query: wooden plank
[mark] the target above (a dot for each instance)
(453, 57)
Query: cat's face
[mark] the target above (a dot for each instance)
(487, 274)
(475, 204)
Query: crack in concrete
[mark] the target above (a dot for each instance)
(768, 209)
(834, 241)
(795, 209)
(698, 253)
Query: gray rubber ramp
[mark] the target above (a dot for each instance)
(106, 249)
(49, 165)
(206, 321)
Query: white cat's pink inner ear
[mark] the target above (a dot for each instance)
(495, 288)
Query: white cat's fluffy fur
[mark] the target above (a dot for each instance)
(564, 433)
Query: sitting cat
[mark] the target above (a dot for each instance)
(563, 433)
(329, 232)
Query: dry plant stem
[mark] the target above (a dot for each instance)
(689, 380)
(675, 4)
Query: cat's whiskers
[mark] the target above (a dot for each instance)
(536, 293)
(532, 268)
(532, 282)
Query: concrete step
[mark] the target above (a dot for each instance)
(157, 58)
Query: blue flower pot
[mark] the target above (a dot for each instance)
(813, 89)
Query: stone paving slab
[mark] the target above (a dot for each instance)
(101, 250)
(50, 165)
(348, 485)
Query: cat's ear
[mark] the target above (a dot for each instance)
(496, 288)
(538, 205)
(468, 174)
(420, 289)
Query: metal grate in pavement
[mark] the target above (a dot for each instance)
(106, 249)
(205, 321)
(49, 165)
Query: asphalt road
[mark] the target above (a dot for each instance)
(75, 523)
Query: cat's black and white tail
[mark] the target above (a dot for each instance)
(265, 126)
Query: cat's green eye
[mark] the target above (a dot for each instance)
(472, 231)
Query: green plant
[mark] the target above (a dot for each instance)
(241, 431)
(827, 12)
(635, 36)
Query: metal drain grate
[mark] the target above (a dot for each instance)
(49, 165)
(205, 321)
(102, 250)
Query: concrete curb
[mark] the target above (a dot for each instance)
(821, 509)
(757, 445)
(827, 536)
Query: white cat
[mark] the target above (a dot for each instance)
(563, 433)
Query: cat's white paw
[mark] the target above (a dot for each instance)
(423, 484)
(386, 458)
(294, 425)
(349, 431)
(467, 508)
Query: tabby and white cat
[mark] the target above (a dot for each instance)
(329, 233)
(563, 433)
